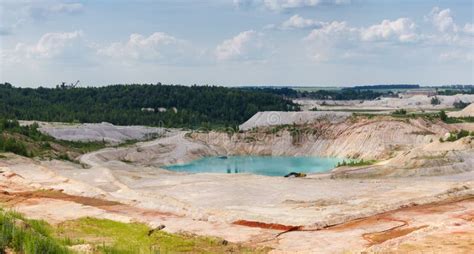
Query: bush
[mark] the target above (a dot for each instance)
(443, 116)
(460, 104)
(399, 112)
(27, 236)
(435, 101)
(453, 136)
(355, 163)
(13, 146)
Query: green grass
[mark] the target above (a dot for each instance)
(455, 135)
(27, 236)
(83, 147)
(116, 237)
(355, 163)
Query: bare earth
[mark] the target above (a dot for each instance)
(416, 200)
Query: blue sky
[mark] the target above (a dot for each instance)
(237, 42)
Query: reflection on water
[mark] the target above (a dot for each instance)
(262, 165)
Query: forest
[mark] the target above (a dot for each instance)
(336, 94)
(139, 104)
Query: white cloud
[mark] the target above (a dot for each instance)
(402, 29)
(42, 11)
(442, 20)
(244, 46)
(338, 40)
(243, 4)
(18, 13)
(298, 22)
(469, 28)
(278, 5)
(51, 45)
(67, 8)
(157, 46)
(457, 55)
(281, 5)
(330, 31)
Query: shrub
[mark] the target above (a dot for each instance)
(460, 104)
(14, 146)
(443, 116)
(399, 112)
(27, 236)
(435, 101)
(455, 135)
(355, 163)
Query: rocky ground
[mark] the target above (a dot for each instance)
(412, 103)
(417, 197)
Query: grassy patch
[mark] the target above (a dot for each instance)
(355, 163)
(455, 135)
(27, 236)
(116, 237)
(83, 147)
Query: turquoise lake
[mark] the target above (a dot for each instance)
(261, 165)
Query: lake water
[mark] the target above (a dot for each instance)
(261, 165)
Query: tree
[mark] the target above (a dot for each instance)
(443, 116)
(435, 101)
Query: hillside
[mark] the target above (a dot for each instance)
(155, 105)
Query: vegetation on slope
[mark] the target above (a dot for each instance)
(455, 135)
(27, 236)
(335, 94)
(355, 163)
(155, 105)
(445, 118)
(22, 235)
(30, 142)
(109, 236)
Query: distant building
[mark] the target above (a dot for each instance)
(148, 110)
(410, 93)
(161, 110)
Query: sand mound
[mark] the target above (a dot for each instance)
(273, 118)
(100, 132)
(416, 102)
(466, 112)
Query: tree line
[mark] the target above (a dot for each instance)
(140, 104)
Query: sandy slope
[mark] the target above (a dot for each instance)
(96, 131)
(466, 112)
(258, 209)
(416, 102)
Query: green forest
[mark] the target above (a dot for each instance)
(147, 104)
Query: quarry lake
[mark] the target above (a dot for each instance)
(261, 165)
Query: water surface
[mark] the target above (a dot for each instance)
(261, 165)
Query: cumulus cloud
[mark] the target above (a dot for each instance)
(278, 5)
(449, 33)
(157, 46)
(338, 40)
(18, 13)
(244, 46)
(298, 22)
(281, 5)
(469, 28)
(45, 11)
(52, 45)
(402, 29)
(244, 4)
(442, 20)
(457, 55)
(331, 31)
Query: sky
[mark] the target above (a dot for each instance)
(237, 42)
